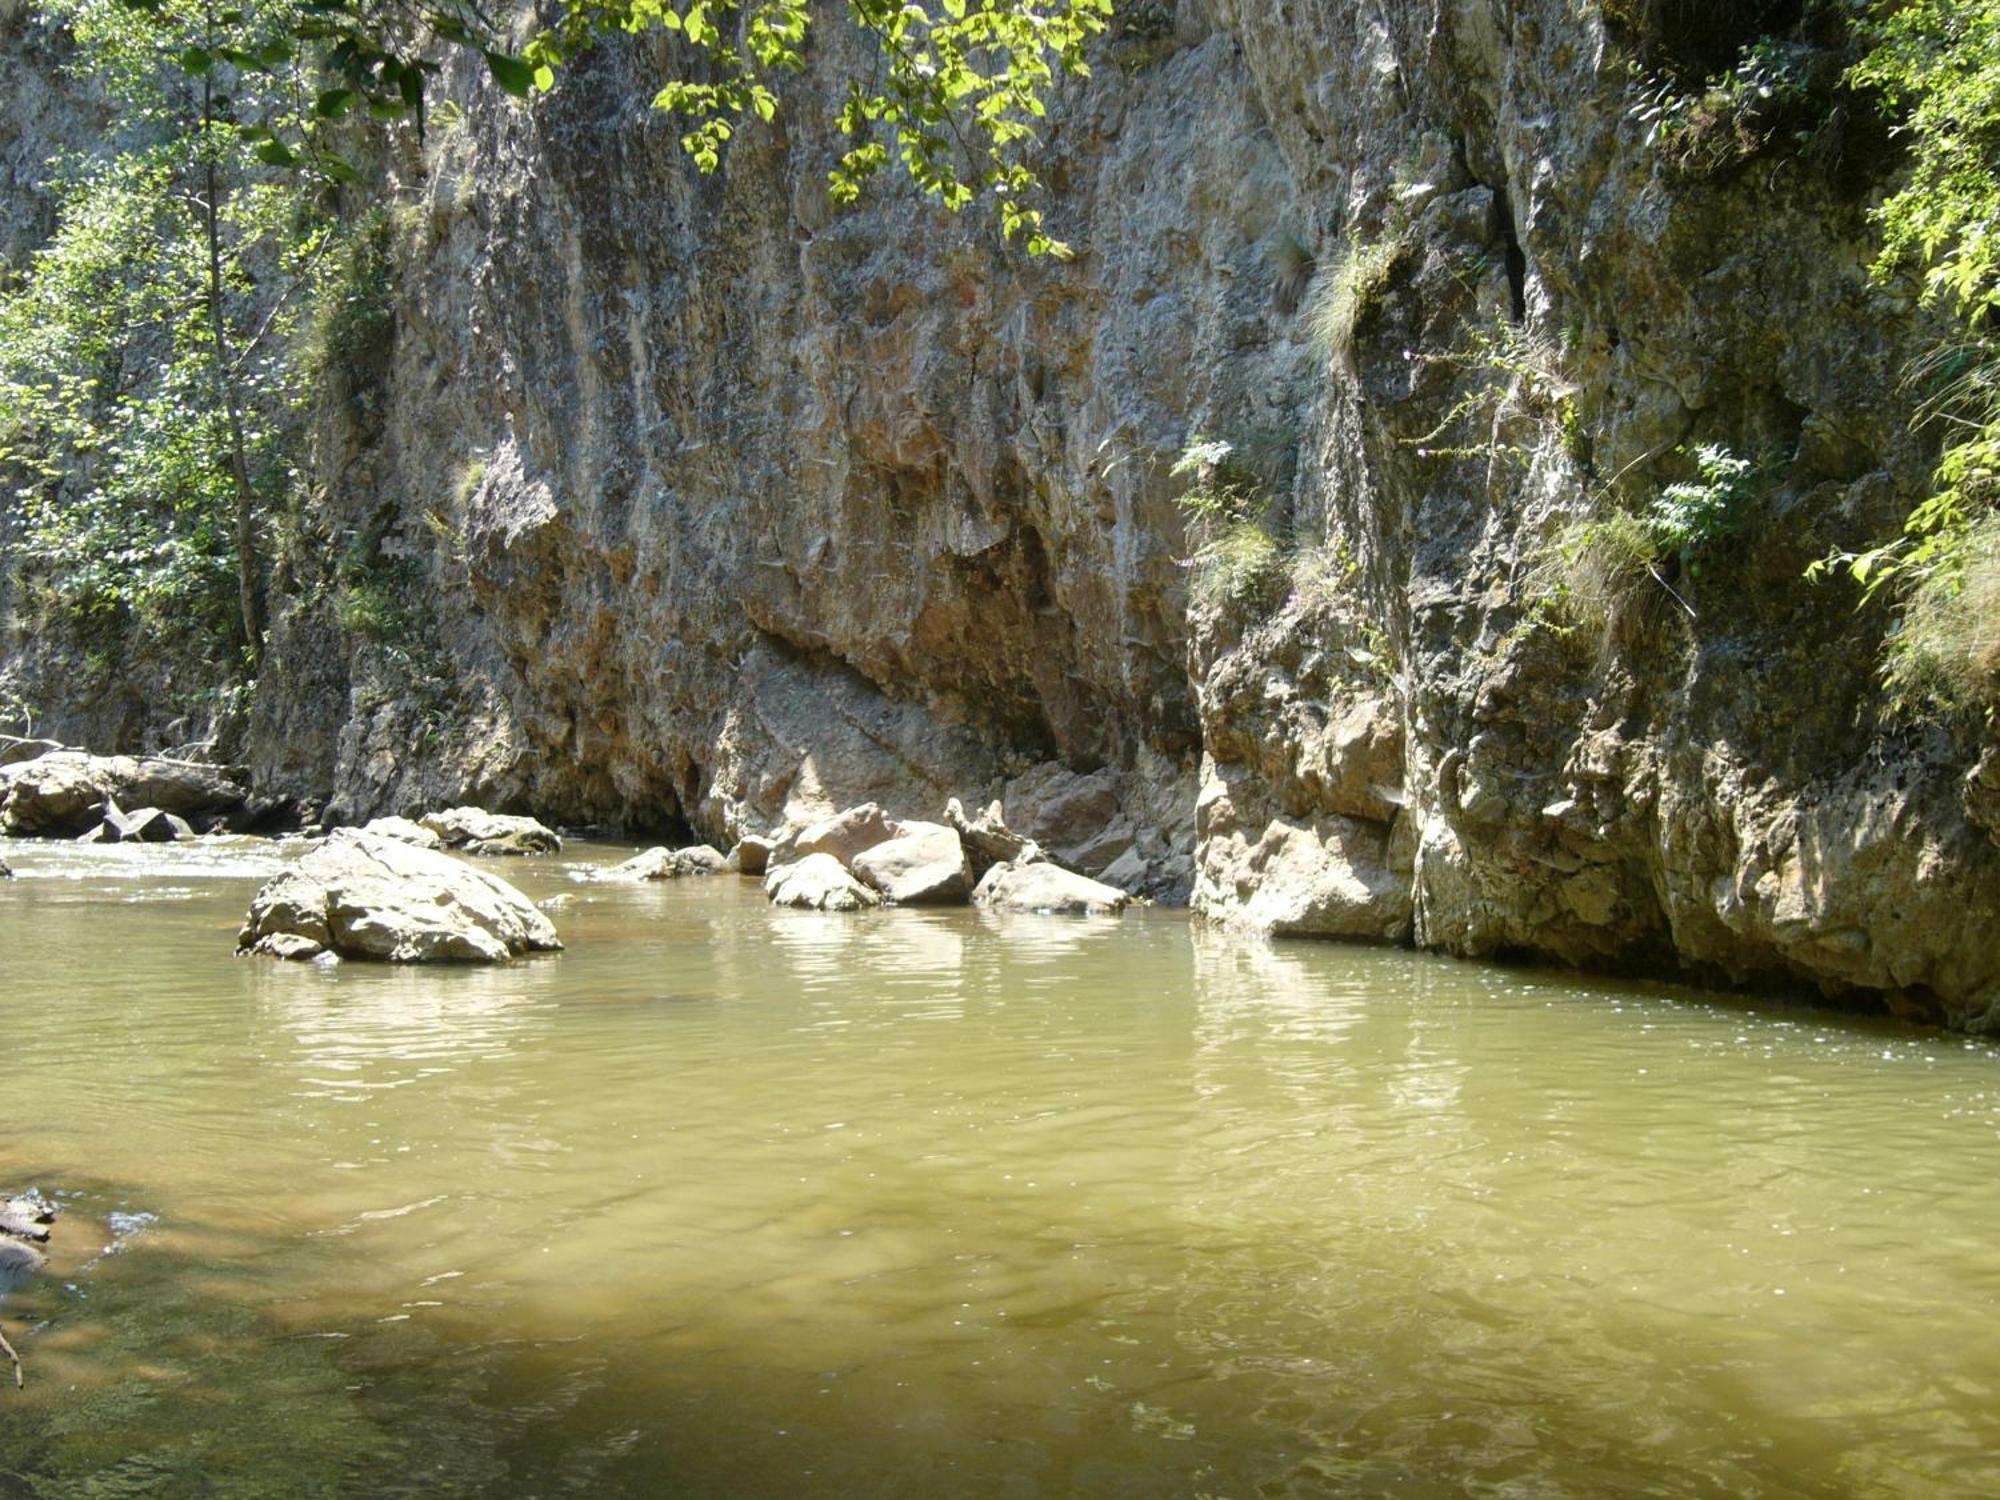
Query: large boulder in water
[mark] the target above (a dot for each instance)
(924, 862)
(1045, 887)
(66, 792)
(366, 896)
(476, 831)
(819, 883)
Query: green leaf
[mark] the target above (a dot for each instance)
(334, 103)
(275, 153)
(511, 73)
(196, 61)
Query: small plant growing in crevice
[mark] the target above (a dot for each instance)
(1237, 548)
(1344, 297)
(1514, 371)
(1292, 266)
(1599, 571)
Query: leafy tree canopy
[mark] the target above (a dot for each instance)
(955, 99)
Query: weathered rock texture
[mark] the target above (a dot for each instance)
(819, 882)
(66, 792)
(731, 509)
(363, 895)
(473, 830)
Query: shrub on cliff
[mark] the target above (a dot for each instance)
(1935, 65)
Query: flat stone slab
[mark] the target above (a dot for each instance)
(362, 895)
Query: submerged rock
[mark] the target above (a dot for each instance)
(819, 883)
(669, 864)
(404, 832)
(1047, 888)
(475, 831)
(923, 863)
(366, 896)
(67, 792)
(6, 870)
(27, 1216)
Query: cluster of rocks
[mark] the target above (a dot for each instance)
(862, 857)
(52, 791)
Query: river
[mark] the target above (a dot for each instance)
(733, 1202)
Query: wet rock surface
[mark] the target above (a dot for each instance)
(361, 895)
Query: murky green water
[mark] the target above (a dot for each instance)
(733, 1202)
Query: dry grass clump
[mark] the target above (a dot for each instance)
(1948, 647)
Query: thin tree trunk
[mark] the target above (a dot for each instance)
(232, 401)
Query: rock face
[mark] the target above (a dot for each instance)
(474, 831)
(67, 792)
(669, 864)
(922, 863)
(818, 883)
(362, 895)
(1045, 887)
(732, 507)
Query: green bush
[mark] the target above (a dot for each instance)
(1935, 67)
(353, 319)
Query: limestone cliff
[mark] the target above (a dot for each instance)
(707, 502)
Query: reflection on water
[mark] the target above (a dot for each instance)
(726, 1201)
